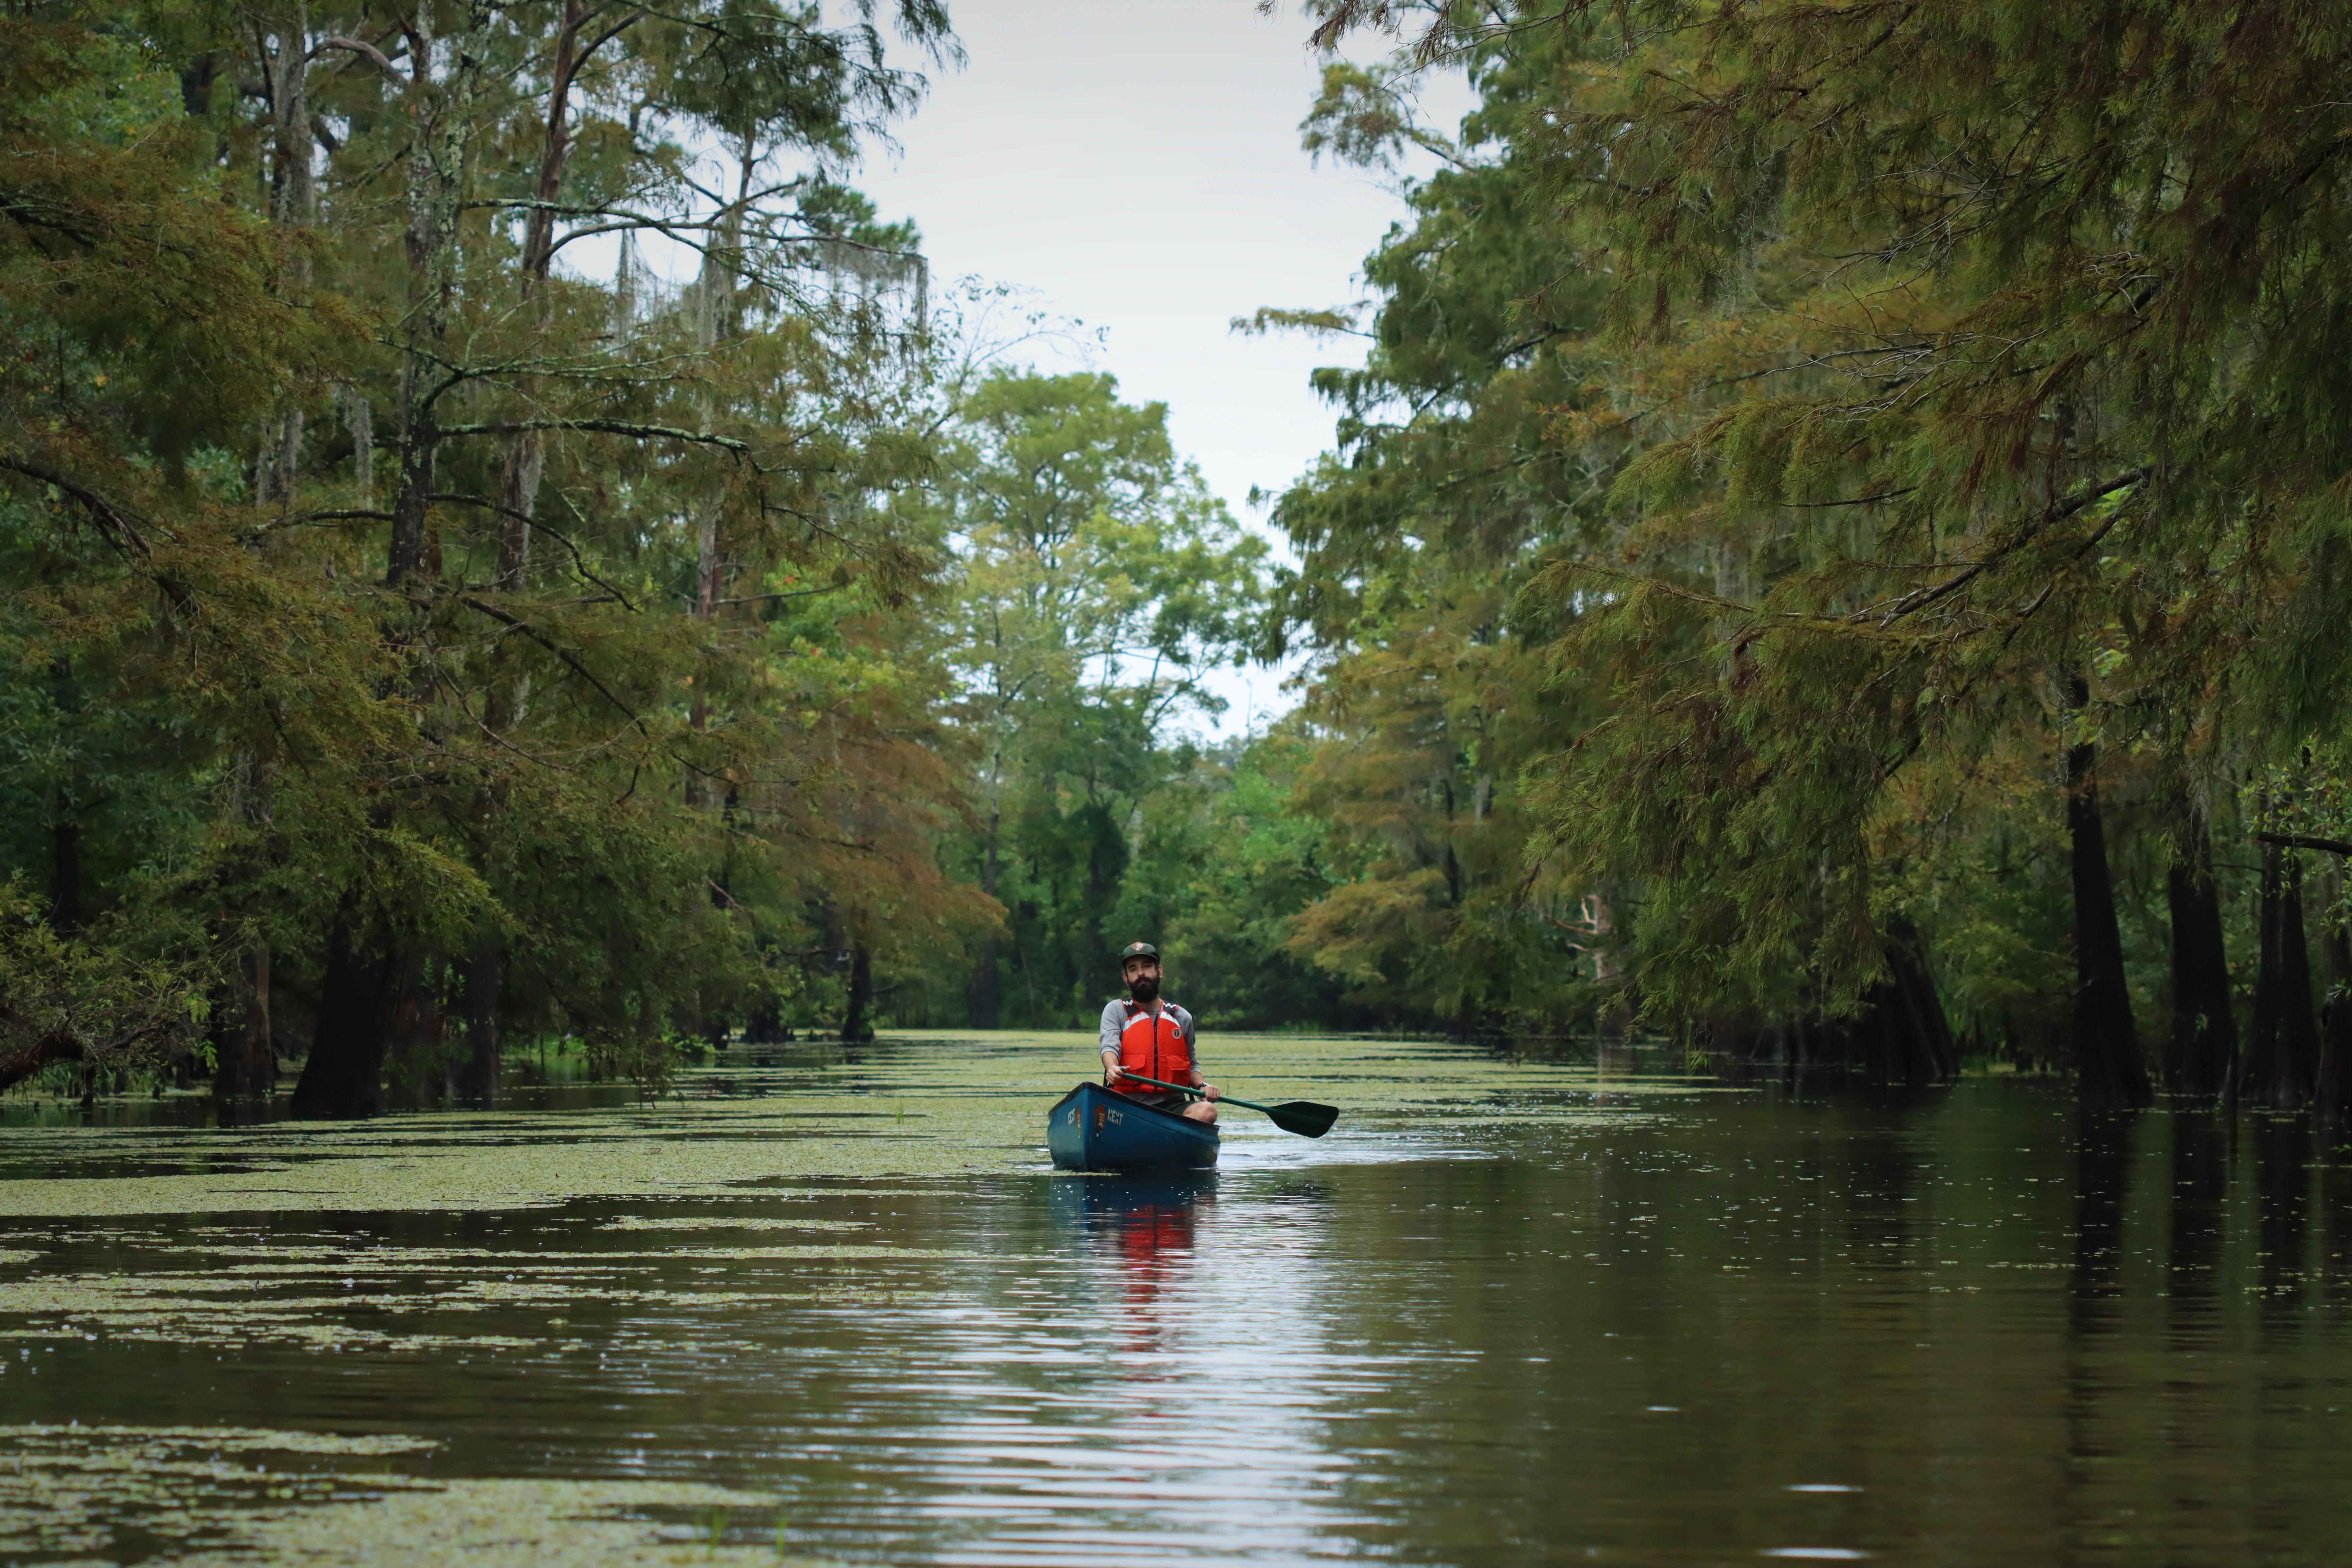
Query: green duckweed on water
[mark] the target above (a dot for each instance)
(968, 1112)
(1720, 1322)
(241, 1496)
(294, 1239)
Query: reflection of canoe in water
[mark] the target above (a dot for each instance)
(1091, 1129)
(1115, 1201)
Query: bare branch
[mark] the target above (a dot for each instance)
(603, 428)
(361, 48)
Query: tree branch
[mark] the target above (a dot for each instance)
(578, 561)
(119, 523)
(361, 48)
(57, 1045)
(1920, 598)
(2300, 841)
(603, 428)
(570, 658)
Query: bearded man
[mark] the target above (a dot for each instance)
(1146, 1036)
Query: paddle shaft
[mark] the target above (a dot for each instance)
(1199, 1094)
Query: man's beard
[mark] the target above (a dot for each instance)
(1146, 990)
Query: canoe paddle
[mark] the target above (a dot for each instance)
(1303, 1117)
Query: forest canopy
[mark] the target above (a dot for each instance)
(1831, 550)
(1898, 452)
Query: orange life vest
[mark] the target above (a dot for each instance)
(1153, 1045)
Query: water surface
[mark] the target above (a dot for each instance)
(837, 1308)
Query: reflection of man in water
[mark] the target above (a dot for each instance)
(1144, 1227)
(1151, 1038)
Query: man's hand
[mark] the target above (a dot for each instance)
(1112, 1072)
(1208, 1090)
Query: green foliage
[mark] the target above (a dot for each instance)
(367, 577)
(1097, 584)
(1857, 410)
(1230, 860)
(102, 1000)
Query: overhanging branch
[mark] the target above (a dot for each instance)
(570, 658)
(2302, 841)
(603, 427)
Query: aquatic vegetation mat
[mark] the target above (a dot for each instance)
(516, 1271)
(207, 1496)
(915, 1107)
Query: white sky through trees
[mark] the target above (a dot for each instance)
(1136, 164)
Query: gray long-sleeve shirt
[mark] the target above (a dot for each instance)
(1114, 1021)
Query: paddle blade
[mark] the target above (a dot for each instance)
(1304, 1116)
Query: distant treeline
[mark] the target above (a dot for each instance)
(1836, 550)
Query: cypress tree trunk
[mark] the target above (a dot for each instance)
(294, 203)
(442, 113)
(249, 1060)
(2282, 1061)
(2204, 1027)
(765, 1025)
(247, 1068)
(483, 1059)
(1911, 1039)
(856, 1023)
(2106, 1046)
(414, 1028)
(343, 1079)
(260, 1046)
(2298, 1058)
(2334, 1092)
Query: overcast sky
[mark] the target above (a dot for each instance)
(1136, 164)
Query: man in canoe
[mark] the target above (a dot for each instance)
(1146, 1034)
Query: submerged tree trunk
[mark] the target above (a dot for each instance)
(2333, 1092)
(856, 1022)
(483, 1058)
(2204, 1028)
(2106, 1046)
(2282, 1184)
(343, 1079)
(2281, 1060)
(413, 1029)
(1906, 1034)
(247, 1068)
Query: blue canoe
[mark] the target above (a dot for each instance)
(1091, 1129)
